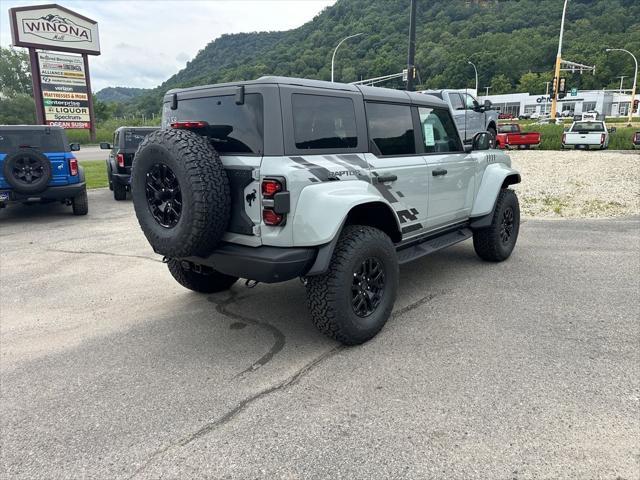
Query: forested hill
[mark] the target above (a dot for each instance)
(119, 94)
(505, 38)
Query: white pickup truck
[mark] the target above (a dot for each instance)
(587, 135)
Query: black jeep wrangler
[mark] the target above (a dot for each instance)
(125, 144)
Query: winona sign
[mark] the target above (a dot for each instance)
(56, 27)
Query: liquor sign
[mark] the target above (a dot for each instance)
(61, 83)
(64, 90)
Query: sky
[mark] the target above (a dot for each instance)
(145, 42)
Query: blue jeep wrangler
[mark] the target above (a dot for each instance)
(36, 165)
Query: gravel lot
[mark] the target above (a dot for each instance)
(578, 184)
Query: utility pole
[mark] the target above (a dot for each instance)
(554, 100)
(635, 79)
(412, 47)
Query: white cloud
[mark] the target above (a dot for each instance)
(145, 42)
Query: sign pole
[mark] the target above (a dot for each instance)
(92, 117)
(36, 85)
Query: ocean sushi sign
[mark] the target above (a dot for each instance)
(54, 27)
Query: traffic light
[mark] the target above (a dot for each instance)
(635, 106)
(562, 87)
(554, 87)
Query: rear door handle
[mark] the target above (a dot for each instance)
(385, 178)
(439, 172)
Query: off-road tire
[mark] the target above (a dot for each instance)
(329, 296)
(33, 158)
(80, 203)
(487, 242)
(493, 133)
(119, 191)
(204, 187)
(209, 282)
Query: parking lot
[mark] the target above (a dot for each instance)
(110, 369)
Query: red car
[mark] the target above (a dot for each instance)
(506, 116)
(511, 137)
(636, 140)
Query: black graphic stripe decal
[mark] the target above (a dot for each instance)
(354, 160)
(412, 228)
(319, 172)
(408, 215)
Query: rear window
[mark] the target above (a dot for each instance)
(508, 129)
(132, 138)
(45, 140)
(588, 127)
(233, 129)
(323, 122)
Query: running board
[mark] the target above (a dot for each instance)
(432, 245)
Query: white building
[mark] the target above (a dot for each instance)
(607, 102)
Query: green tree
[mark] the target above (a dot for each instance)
(500, 84)
(15, 72)
(19, 109)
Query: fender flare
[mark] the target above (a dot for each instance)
(496, 176)
(322, 209)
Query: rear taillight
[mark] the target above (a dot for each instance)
(602, 137)
(120, 159)
(564, 138)
(73, 166)
(270, 187)
(275, 201)
(190, 124)
(272, 218)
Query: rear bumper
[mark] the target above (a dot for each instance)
(121, 179)
(584, 146)
(51, 193)
(264, 264)
(509, 146)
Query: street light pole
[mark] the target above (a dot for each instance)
(333, 58)
(554, 101)
(476, 70)
(635, 79)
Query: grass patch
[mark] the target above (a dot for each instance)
(95, 173)
(554, 204)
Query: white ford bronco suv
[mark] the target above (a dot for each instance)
(280, 178)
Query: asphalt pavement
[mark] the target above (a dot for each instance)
(521, 370)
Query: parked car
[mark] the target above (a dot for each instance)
(470, 117)
(567, 113)
(636, 140)
(37, 165)
(510, 136)
(587, 135)
(506, 116)
(122, 152)
(338, 184)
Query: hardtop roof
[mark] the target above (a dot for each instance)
(369, 93)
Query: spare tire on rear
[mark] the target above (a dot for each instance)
(27, 170)
(180, 193)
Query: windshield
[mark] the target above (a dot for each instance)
(588, 127)
(45, 140)
(132, 138)
(508, 129)
(232, 128)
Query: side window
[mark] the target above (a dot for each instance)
(470, 101)
(323, 122)
(456, 101)
(116, 139)
(391, 128)
(438, 131)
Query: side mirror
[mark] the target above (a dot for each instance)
(74, 147)
(566, 129)
(481, 141)
(105, 146)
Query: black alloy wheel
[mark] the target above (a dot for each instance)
(28, 169)
(164, 196)
(506, 225)
(367, 288)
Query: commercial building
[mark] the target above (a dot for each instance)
(607, 102)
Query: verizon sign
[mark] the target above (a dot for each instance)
(55, 28)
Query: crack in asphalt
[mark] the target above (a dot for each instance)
(278, 336)
(109, 254)
(279, 387)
